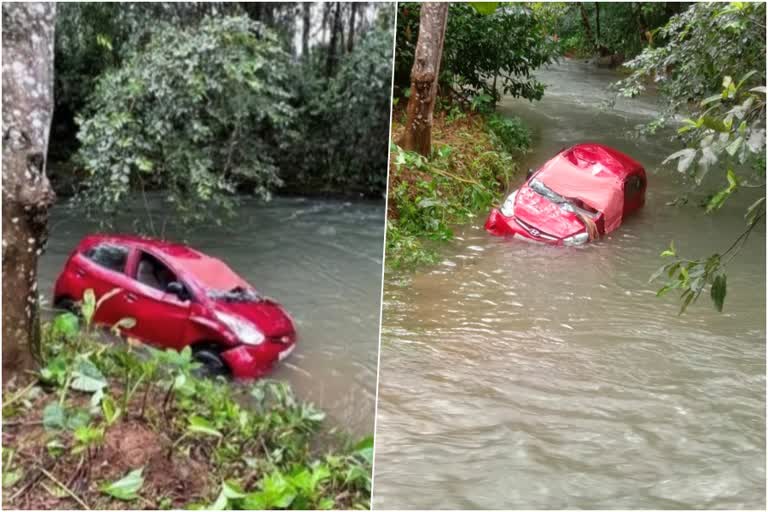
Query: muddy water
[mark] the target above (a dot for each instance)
(525, 376)
(320, 258)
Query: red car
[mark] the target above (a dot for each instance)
(583, 193)
(179, 297)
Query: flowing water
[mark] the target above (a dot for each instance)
(321, 259)
(526, 376)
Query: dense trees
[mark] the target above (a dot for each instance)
(196, 112)
(490, 49)
(618, 30)
(205, 100)
(28, 30)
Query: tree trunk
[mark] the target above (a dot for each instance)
(597, 23)
(587, 27)
(307, 19)
(335, 28)
(424, 77)
(27, 194)
(351, 40)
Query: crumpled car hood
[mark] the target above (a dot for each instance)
(268, 316)
(544, 215)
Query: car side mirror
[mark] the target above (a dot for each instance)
(178, 290)
(529, 174)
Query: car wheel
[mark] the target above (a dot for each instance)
(66, 304)
(213, 364)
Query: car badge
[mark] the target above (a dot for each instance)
(535, 232)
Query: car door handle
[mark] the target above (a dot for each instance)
(130, 297)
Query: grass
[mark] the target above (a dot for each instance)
(471, 166)
(127, 426)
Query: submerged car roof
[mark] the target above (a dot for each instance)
(593, 173)
(209, 272)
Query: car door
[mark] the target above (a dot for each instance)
(101, 268)
(161, 317)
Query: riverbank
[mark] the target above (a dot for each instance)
(126, 426)
(474, 158)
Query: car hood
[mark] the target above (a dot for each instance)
(268, 316)
(540, 213)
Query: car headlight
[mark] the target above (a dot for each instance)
(579, 239)
(508, 208)
(243, 329)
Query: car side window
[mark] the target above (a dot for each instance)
(153, 272)
(109, 256)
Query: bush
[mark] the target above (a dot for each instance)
(509, 133)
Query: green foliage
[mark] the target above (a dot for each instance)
(265, 439)
(126, 488)
(340, 139)
(11, 472)
(447, 189)
(497, 47)
(509, 133)
(196, 111)
(712, 69)
(705, 43)
(624, 26)
(691, 277)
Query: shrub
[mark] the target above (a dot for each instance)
(510, 133)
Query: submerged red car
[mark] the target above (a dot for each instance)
(179, 297)
(583, 193)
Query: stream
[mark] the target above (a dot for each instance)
(526, 376)
(319, 258)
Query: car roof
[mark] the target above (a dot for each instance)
(207, 271)
(599, 158)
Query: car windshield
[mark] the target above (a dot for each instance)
(236, 294)
(566, 204)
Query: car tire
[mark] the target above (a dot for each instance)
(65, 303)
(213, 364)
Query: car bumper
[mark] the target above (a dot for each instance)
(500, 225)
(252, 362)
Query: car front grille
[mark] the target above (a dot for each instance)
(533, 231)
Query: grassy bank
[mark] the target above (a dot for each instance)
(474, 158)
(127, 426)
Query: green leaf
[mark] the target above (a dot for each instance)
(684, 157)
(11, 477)
(88, 306)
(87, 377)
(711, 99)
(126, 488)
(53, 416)
(66, 325)
(671, 251)
(110, 411)
(718, 291)
(484, 8)
(365, 449)
(201, 425)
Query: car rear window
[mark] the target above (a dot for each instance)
(107, 255)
